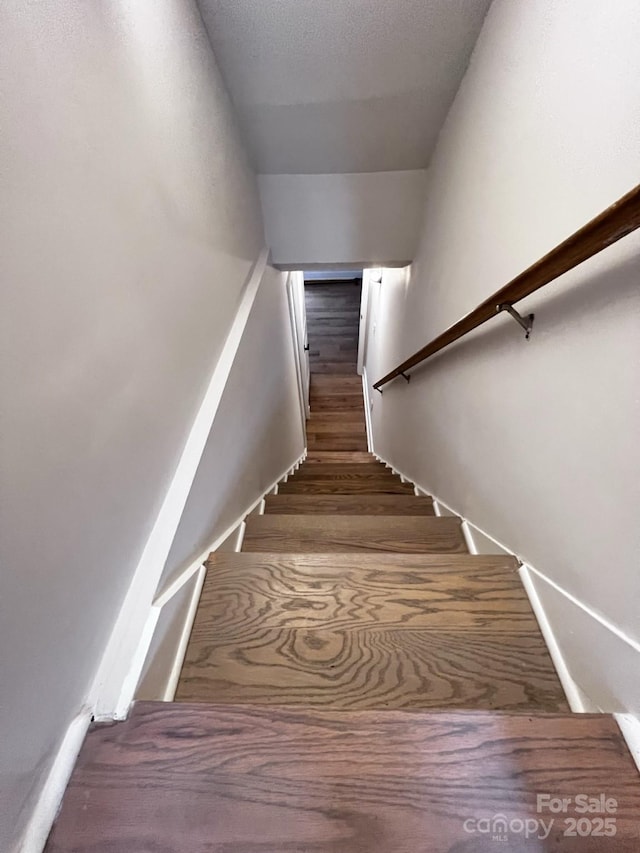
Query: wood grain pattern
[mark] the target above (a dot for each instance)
(331, 420)
(334, 367)
(337, 442)
(336, 426)
(336, 384)
(374, 475)
(378, 486)
(361, 668)
(300, 533)
(371, 466)
(366, 504)
(386, 571)
(228, 779)
(333, 456)
(251, 591)
(368, 631)
(344, 403)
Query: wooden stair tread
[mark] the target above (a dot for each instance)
(334, 367)
(248, 591)
(328, 384)
(351, 417)
(296, 533)
(335, 422)
(371, 466)
(406, 569)
(373, 474)
(366, 668)
(337, 404)
(223, 777)
(381, 485)
(365, 504)
(367, 631)
(332, 456)
(334, 442)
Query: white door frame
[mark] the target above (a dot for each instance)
(370, 279)
(298, 319)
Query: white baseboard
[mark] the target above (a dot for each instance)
(232, 539)
(630, 727)
(604, 675)
(181, 648)
(367, 410)
(235, 528)
(578, 702)
(598, 682)
(50, 796)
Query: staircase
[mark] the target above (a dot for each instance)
(355, 681)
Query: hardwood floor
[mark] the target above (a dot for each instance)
(333, 317)
(336, 400)
(221, 778)
(355, 681)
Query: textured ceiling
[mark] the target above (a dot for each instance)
(325, 86)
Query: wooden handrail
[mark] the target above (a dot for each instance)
(615, 222)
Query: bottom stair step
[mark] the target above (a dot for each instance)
(175, 778)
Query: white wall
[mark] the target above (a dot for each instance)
(361, 218)
(256, 435)
(535, 442)
(129, 224)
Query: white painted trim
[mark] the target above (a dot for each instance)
(238, 525)
(116, 677)
(178, 582)
(573, 693)
(367, 411)
(139, 655)
(242, 529)
(181, 649)
(473, 534)
(48, 802)
(635, 645)
(578, 701)
(630, 728)
(479, 542)
(439, 505)
(298, 352)
(364, 322)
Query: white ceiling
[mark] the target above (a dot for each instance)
(329, 86)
